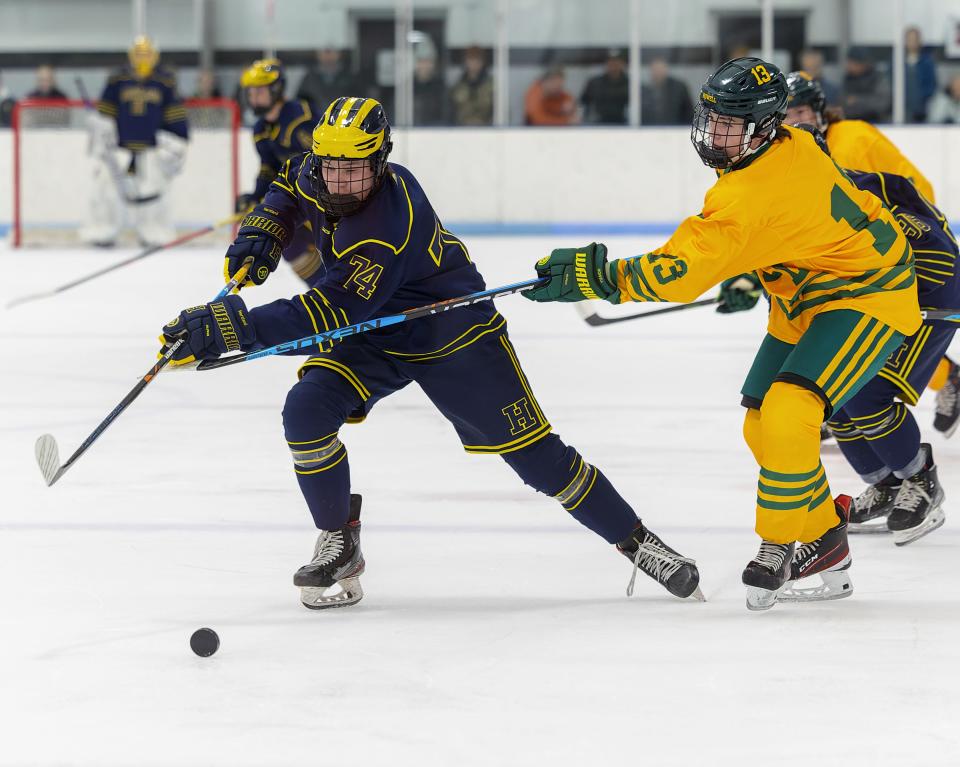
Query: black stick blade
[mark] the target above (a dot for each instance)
(48, 458)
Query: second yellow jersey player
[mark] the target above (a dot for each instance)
(840, 276)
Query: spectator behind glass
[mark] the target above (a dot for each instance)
(811, 62)
(327, 80)
(945, 105)
(547, 101)
(866, 92)
(472, 96)
(605, 96)
(664, 100)
(430, 99)
(920, 76)
(207, 85)
(46, 85)
(6, 105)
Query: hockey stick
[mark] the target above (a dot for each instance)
(142, 254)
(46, 450)
(110, 161)
(380, 322)
(594, 320)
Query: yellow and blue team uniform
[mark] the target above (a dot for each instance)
(142, 106)
(391, 255)
(875, 430)
(276, 142)
(840, 275)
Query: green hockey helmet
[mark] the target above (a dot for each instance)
(745, 99)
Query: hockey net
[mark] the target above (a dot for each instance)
(53, 171)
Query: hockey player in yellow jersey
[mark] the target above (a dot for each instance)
(840, 276)
(858, 145)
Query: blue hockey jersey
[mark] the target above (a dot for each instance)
(142, 107)
(392, 255)
(926, 228)
(277, 142)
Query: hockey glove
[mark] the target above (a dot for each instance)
(740, 293)
(260, 236)
(576, 274)
(209, 331)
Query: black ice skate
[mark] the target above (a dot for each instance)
(337, 560)
(918, 509)
(677, 574)
(948, 403)
(829, 557)
(868, 513)
(766, 574)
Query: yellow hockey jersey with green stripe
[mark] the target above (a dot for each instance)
(858, 145)
(816, 241)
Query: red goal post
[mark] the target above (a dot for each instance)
(53, 169)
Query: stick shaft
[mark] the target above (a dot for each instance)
(374, 324)
(143, 382)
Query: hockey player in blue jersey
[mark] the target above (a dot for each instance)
(283, 129)
(875, 430)
(385, 250)
(139, 143)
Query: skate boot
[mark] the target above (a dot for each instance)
(677, 574)
(828, 557)
(337, 560)
(766, 574)
(825, 432)
(948, 403)
(868, 513)
(918, 509)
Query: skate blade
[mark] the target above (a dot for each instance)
(952, 428)
(836, 584)
(316, 598)
(761, 599)
(934, 520)
(878, 525)
(697, 595)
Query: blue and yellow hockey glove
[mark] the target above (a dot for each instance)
(739, 293)
(576, 274)
(209, 331)
(261, 236)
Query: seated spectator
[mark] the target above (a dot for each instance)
(547, 101)
(207, 85)
(866, 92)
(945, 105)
(46, 85)
(920, 79)
(326, 80)
(605, 96)
(811, 62)
(472, 96)
(430, 100)
(664, 100)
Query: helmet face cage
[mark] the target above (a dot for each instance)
(344, 185)
(714, 135)
(805, 91)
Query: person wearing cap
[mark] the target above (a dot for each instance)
(605, 97)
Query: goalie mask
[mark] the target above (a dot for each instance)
(349, 158)
(741, 105)
(143, 56)
(804, 91)
(264, 73)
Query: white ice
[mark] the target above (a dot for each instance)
(495, 630)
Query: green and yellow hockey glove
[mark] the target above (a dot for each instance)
(739, 293)
(576, 274)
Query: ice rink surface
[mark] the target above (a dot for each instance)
(495, 630)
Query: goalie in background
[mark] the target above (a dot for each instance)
(139, 142)
(283, 129)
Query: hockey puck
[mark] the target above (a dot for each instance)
(204, 642)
